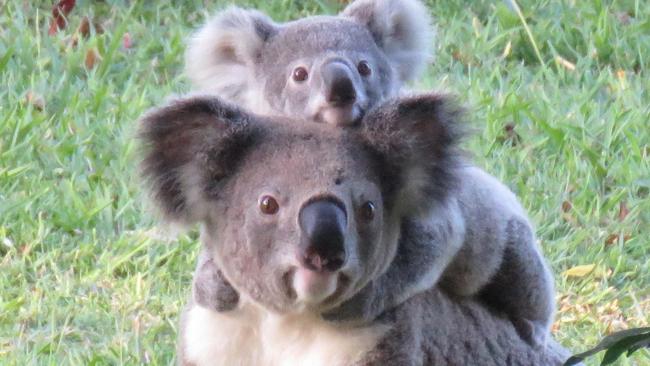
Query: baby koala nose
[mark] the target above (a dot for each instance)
(339, 88)
(322, 247)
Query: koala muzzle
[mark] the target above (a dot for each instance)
(339, 87)
(322, 248)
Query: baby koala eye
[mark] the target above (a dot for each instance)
(269, 205)
(300, 74)
(367, 211)
(364, 68)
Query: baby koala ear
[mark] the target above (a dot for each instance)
(416, 139)
(221, 55)
(189, 147)
(402, 28)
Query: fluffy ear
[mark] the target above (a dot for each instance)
(221, 54)
(190, 146)
(402, 28)
(416, 139)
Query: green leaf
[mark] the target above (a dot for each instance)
(507, 18)
(5, 58)
(614, 352)
(594, 158)
(556, 134)
(625, 339)
(644, 343)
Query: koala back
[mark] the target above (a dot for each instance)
(435, 328)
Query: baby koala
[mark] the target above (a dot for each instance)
(329, 69)
(334, 69)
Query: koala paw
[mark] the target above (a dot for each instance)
(360, 309)
(533, 332)
(212, 290)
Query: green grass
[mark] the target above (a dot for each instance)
(84, 279)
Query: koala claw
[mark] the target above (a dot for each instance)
(360, 309)
(534, 333)
(347, 312)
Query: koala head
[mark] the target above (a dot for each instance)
(329, 69)
(299, 216)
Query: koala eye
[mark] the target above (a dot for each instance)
(300, 74)
(367, 211)
(269, 205)
(364, 68)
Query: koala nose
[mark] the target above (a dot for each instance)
(339, 88)
(322, 247)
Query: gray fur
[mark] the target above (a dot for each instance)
(394, 35)
(210, 287)
(402, 28)
(194, 145)
(482, 233)
(510, 273)
(243, 56)
(435, 328)
(498, 260)
(227, 158)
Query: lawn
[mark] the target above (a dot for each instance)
(560, 110)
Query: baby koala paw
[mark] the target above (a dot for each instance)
(211, 290)
(533, 332)
(360, 309)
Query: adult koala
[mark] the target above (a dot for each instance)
(300, 217)
(333, 69)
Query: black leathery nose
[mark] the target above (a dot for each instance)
(339, 88)
(322, 247)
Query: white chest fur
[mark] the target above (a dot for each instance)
(252, 337)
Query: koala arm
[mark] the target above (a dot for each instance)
(484, 245)
(425, 248)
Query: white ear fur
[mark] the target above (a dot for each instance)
(219, 58)
(402, 28)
